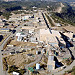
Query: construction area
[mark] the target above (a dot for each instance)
(39, 48)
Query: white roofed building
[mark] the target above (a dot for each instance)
(20, 36)
(16, 73)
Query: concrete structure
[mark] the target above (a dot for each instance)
(16, 73)
(2, 24)
(20, 36)
(27, 27)
(51, 58)
(33, 40)
(37, 66)
(43, 51)
(51, 63)
(58, 24)
(46, 36)
(4, 29)
(31, 31)
(19, 17)
(52, 37)
(36, 52)
(10, 45)
(25, 17)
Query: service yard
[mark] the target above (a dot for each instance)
(18, 43)
(21, 59)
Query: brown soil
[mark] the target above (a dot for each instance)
(16, 43)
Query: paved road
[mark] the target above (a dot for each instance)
(1, 64)
(36, 61)
(72, 52)
(1, 48)
(68, 67)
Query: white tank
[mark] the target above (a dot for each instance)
(37, 66)
(36, 52)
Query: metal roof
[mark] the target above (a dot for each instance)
(31, 69)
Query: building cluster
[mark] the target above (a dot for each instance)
(2, 23)
(57, 40)
(19, 17)
(32, 28)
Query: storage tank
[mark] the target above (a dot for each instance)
(37, 66)
(36, 52)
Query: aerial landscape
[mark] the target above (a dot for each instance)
(37, 37)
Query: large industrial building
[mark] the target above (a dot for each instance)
(50, 38)
(51, 63)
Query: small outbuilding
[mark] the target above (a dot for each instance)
(16, 73)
